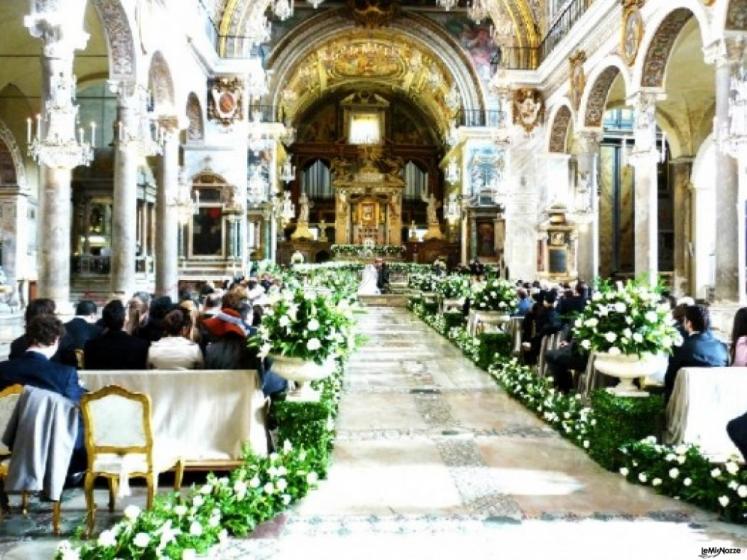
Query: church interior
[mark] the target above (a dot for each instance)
(445, 228)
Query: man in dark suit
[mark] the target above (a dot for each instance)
(547, 322)
(115, 349)
(43, 306)
(35, 368)
(700, 348)
(82, 327)
(382, 281)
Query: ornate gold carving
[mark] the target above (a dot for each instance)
(577, 77)
(632, 30)
(373, 13)
(529, 108)
(225, 100)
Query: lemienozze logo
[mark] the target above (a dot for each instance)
(714, 551)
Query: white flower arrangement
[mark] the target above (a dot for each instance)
(626, 319)
(495, 295)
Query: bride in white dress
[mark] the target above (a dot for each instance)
(368, 281)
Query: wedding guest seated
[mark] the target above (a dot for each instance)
(524, 304)
(153, 329)
(82, 327)
(115, 349)
(175, 350)
(678, 316)
(137, 312)
(573, 303)
(254, 290)
(547, 322)
(737, 430)
(65, 353)
(212, 305)
(36, 368)
(230, 314)
(193, 309)
(739, 339)
(699, 349)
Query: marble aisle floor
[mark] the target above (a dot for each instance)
(433, 461)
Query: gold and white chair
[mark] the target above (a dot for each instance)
(119, 443)
(8, 400)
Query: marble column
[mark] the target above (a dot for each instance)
(681, 169)
(730, 234)
(586, 205)
(61, 37)
(124, 200)
(645, 159)
(167, 219)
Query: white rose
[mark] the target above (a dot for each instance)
(180, 510)
(670, 457)
(610, 337)
(254, 482)
(586, 444)
(643, 478)
(206, 489)
(742, 491)
(189, 554)
(715, 473)
(107, 538)
(723, 500)
(313, 344)
(624, 471)
(656, 482)
(223, 536)
(214, 521)
(284, 321)
(593, 322)
(131, 512)
(197, 501)
(141, 540)
(313, 325)
(287, 446)
(312, 478)
(239, 488)
(586, 344)
(674, 473)
(269, 488)
(281, 484)
(620, 307)
(651, 316)
(195, 529)
(614, 351)
(638, 337)
(286, 499)
(732, 467)
(687, 482)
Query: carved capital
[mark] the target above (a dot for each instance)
(590, 139)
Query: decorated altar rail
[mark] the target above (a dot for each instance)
(614, 431)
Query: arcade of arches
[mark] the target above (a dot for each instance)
(152, 145)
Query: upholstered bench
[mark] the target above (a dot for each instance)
(206, 415)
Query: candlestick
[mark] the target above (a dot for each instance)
(80, 135)
(93, 134)
(120, 132)
(38, 125)
(28, 130)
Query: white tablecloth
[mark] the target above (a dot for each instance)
(702, 402)
(204, 414)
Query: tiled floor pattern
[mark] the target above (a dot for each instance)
(434, 461)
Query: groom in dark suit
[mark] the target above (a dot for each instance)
(382, 281)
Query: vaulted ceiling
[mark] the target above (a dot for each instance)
(517, 22)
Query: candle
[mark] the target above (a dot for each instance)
(93, 134)
(120, 132)
(38, 125)
(663, 146)
(28, 130)
(80, 135)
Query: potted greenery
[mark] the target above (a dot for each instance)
(303, 333)
(629, 331)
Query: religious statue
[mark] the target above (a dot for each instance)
(394, 201)
(342, 170)
(303, 208)
(529, 108)
(433, 206)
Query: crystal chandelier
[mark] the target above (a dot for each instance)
(447, 4)
(257, 186)
(453, 210)
(257, 137)
(283, 9)
(478, 10)
(287, 171)
(54, 142)
(284, 208)
(258, 29)
(452, 172)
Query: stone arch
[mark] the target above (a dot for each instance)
(561, 120)
(12, 170)
(196, 128)
(658, 44)
(594, 101)
(161, 84)
(119, 38)
(295, 47)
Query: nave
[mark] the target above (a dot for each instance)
(434, 460)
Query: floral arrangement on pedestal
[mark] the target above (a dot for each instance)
(495, 295)
(424, 282)
(367, 251)
(626, 319)
(307, 325)
(454, 286)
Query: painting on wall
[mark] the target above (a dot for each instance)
(322, 127)
(485, 239)
(475, 38)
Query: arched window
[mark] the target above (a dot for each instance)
(316, 180)
(416, 181)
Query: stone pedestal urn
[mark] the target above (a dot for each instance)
(302, 373)
(627, 367)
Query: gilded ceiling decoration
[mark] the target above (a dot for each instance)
(362, 59)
